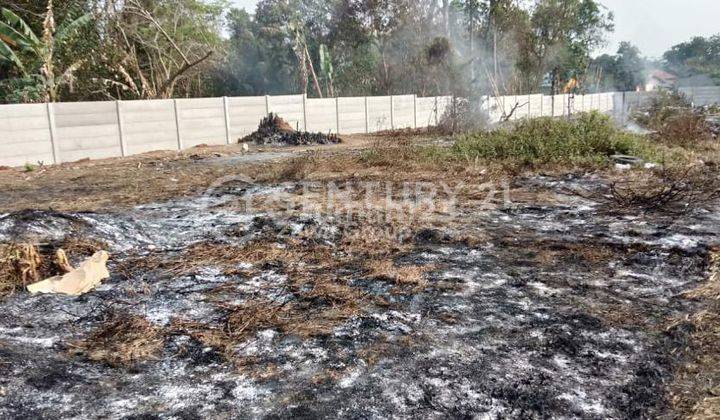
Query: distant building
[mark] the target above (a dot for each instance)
(698, 80)
(659, 79)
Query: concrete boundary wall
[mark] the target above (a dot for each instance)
(66, 132)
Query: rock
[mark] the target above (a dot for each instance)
(622, 167)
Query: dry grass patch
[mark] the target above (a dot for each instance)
(695, 392)
(77, 247)
(123, 340)
(412, 275)
(552, 254)
(293, 169)
(20, 266)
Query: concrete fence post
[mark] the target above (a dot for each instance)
(176, 110)
(542, 105)
(226, 112)
(392, 112)
(267, 104)
(367, 117)
(53, 133)
(437, 111)
(415, 119)
(305, 111)
(337, 115)
(121, 131)
(529, 105)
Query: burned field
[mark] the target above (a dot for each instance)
(243, 301)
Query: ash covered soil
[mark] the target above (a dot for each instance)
(553, 308)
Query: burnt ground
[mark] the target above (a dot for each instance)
(561, 307)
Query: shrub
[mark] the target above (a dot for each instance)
(463, 116)
(587, 138)
(662, 106)
(684, 129)
(674, 120)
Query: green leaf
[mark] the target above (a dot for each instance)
(13, 38)
(326, 61)
(67, 29)
(8, 55)
(19, 27)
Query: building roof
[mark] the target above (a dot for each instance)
(663, 75)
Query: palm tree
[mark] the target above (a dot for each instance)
(39, 52)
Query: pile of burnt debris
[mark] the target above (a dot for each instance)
(275, 130)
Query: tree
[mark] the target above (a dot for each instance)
(630, 68)
(153, 47)
(699, 56)
(177, 48)
(623, 71)
(36, 57)
(564, 33)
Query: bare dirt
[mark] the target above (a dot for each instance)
(125, 182)
(236, 301)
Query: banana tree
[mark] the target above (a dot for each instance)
(327, 70)
(36, 55)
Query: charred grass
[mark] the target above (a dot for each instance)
(325, 285)
(671, 189)
(695, 391)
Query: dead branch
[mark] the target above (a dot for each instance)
(506, 117)
(170, 83)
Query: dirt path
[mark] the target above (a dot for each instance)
(124, 182)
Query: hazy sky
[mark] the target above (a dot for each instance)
(652, 25)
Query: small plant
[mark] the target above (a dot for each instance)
(29, 167)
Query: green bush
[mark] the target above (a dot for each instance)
(588, 138)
